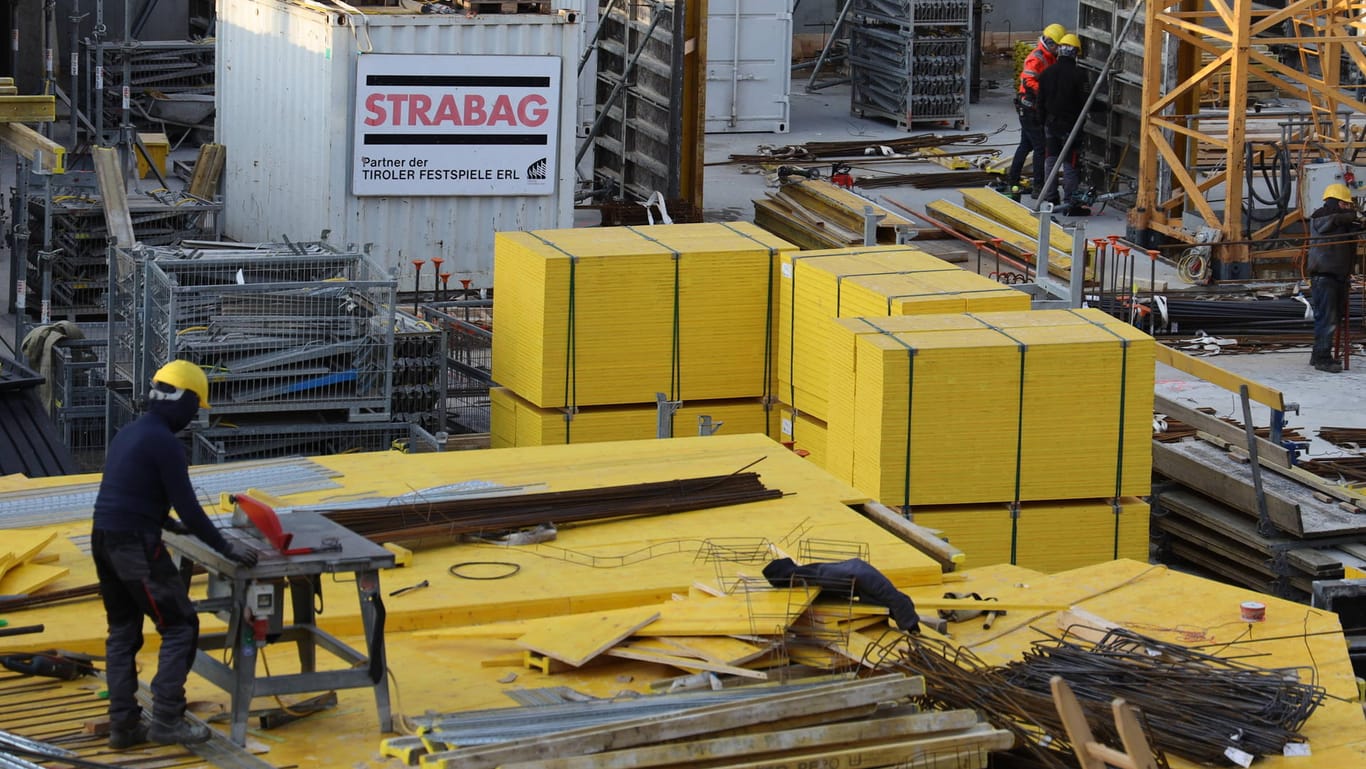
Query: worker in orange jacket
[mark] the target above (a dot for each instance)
(1026, 106)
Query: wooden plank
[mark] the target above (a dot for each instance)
(690, 723)
(1013, 244)
(919, 537)
(1266, 450)
(965, 750)
(1018, 217)
(208, 169)
(1214, 478)
(23, 544)
(720, 649)
(578, 638)
(114, 196)
(1199, 367)
(28, 109)
(762, 612)
(29, 577)
(33, 146)
(683, 663)
(871, 731)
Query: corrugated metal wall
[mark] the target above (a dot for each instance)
(285, 96)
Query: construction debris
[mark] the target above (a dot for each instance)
(898, 146)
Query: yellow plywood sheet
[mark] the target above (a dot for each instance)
(815, 286)
(578, 638)
(614, 315)
(719, 649)
(1014, 244)
(515, 421)
(26, 543)
(756, 612)
(1094, 532)
(806, 433)
(30, 577)
(1047, 405)
(1018, 217)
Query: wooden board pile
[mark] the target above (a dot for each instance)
(588, 318)
(24, 568)
(1207, 511)
(786, 725)
(17, 109)
(816, 214)
(1000, 222)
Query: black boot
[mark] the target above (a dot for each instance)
(180, 732)
(125, 736)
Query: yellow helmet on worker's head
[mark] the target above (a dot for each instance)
(184, 375)
(1070, 39)
(1055, 32)
(1338, 192)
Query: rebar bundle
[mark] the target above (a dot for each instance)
(454, 517)
(1343, 436)
(1195, 705)
(848, 149)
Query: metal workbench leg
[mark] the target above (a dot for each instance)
(372, 616)
(243, 667)
(301, 595)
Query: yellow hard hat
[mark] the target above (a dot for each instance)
(1071, 40)
(1054, 32)
(184, 375)
(1338, 192)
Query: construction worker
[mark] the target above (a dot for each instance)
(1335, 230)
(1026, 104)
(145, 475)
(852, 577)
(1062, 96)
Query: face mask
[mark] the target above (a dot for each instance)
(177, 413)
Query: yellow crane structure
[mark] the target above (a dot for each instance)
(1198, 164)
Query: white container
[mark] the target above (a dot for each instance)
(749, 65)
(288, 116)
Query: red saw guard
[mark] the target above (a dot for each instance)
(263, 517)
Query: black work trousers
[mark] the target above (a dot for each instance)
(138, 578)
(1327, 295)
(1031, 141)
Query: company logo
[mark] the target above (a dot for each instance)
(536, 170)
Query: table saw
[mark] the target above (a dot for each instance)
(297, 549)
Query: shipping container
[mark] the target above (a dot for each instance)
(749, 65)
(466, 125)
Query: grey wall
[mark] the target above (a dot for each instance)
(1015, 16)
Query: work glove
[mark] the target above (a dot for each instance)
(241, 555)
(175, 527)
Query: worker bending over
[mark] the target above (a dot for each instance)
(1026, 106)
(1335, 231)
(145, 475)
(855, 577)
(1062, 97)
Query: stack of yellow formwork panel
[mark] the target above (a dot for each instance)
(613, 316)
(805, 433)
(991, 407)
(1050, 536)
(816, 286)
(517, 422)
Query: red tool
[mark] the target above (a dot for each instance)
(263, 517)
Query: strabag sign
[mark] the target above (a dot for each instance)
(455, 125)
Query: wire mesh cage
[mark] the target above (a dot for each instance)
(419, 373)
(219, 444)
(468, 328)
(278, 330)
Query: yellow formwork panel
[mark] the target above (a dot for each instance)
(516, 422)
(1048, 536)
(806, 433)
(815, 286)
(990, 407)
(613, 315)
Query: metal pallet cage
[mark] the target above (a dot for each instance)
(220, 444)
(78, 398)
(910, 62)
(467, 325)
(304, 327)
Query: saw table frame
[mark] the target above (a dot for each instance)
(300, 574)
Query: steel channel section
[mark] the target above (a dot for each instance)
(357, 556)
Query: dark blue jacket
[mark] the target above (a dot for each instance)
(1332, 250)
(146, 474)
(852, 577)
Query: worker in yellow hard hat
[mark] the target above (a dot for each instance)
(1026, 106)
(1335, 230)
(1062, 96)
(145, 475)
